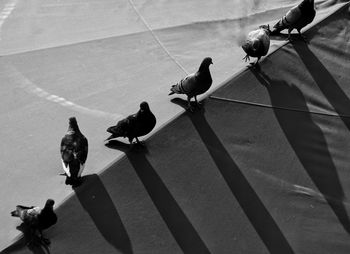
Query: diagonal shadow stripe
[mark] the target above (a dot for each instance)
(325, 81)
(176, 220)
(251, 204)
(95, 199)
(308, 142)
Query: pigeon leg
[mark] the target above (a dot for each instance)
(33, 238)
(246, 58)
(189, 107)
(46, 241)
(42, 239)
(141, 143)
(198, 103)
(289, 38)
(257, 61)
(302, 36)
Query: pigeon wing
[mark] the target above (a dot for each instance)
(290, 19)
(120, 129)
(67, 149)
(144, 123)
(81, 149)
(30, 216)
(264, 40)
(185, 85)
(46, 218)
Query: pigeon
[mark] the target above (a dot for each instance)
(196, 83)
(74, 151)
(135, 125)
(37, 219)
(257, 43)
(296, 18)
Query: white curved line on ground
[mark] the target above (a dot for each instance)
(5, 13)
(298, 189)
(30, 87)
(156, 37)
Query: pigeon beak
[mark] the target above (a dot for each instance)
(211, 62)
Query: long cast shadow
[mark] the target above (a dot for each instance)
(253, 207)
(95, 199)
(308, 142)
(179, 225)
(325, 81)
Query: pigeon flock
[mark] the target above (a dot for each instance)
(74, 145)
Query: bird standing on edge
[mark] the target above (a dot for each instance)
(74, 151)
(37, 219)
(296, 18)
(196, 83)
(257, 43)
(135, 125)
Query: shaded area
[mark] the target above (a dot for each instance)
(324, 79)
(248, 199)
(96, 201)
(308, 142)
(176, 220)
(23, 243)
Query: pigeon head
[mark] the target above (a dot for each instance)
(266, 28)
(205, 63)
(144, 106)
(250, 47)
(49, 203)
(73, 125)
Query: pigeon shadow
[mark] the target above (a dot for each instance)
(38, 247)
(253, 207)
(124, 147)
(96, 201)
(325, 81)
(179, 225)
(305, 38)
(308, 142)
(183, 103)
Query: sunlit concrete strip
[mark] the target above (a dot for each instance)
(5, 13)
(156, 37)
(30, 87)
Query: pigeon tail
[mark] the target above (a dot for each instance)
(14, 213)
(178, 88)
(110, 137)
(116, 131)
